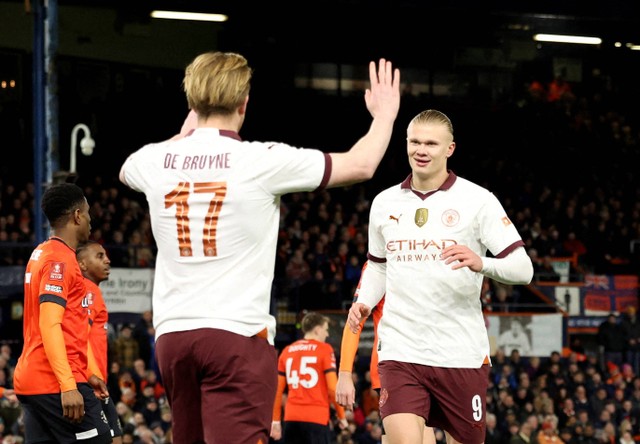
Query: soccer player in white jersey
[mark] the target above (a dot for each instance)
(214, 202)
(428, 239)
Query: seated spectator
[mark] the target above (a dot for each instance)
(493, 433)
(526, 434)
(544, 271)
(548, 433)
(126, 348)
(127, 388)
(151, 381)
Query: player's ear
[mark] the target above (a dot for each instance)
(243, 108)
(452, 148)
(76, 216)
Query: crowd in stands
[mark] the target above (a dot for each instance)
(561, 169)
(578, 398)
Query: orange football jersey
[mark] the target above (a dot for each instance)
(53, 276)
(98, 318)
(304, 365)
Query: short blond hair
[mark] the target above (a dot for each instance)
(217, 83)
(432, 116)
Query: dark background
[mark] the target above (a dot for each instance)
(120, 72)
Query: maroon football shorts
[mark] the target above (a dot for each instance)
(451, 399)
(220, 385)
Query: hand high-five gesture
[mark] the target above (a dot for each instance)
(383, 96)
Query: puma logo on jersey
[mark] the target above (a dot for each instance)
(397, 219)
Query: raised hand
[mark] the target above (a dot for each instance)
(383, 96)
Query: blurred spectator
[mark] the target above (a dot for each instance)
(113, 381)
(567, 436)
(313, 293)
(527, 433)
(139, 373)
(118, 250)
(493, 434)
(559, 89)
(127, 385)
(548, 433)
(144, 334)
(573, 245)
(631, 331)
(140, 253)
(611, 340)
(297, 269)
(151, 380)
(126, 347)
(125, 413)
(626, 438)
(544, 270)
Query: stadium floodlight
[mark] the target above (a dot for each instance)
(194, 16)
(87, 144)
(559, 38)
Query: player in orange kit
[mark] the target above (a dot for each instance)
(307, 368)
(96, 266)
(55, 377)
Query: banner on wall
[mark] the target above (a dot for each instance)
(609, 294)
(534, 335)
(128, 290)
(598, 296)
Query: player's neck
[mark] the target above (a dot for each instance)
(427, 183)
(232, 122)
(65, 236)
(312, 337)
(92, 279)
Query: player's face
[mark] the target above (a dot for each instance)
(429, 145)
(95, 263)
(85, 223)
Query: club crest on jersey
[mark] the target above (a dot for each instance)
(57, 271)
(422, 215)
(384, 395)
(87, 300)
(450, 218)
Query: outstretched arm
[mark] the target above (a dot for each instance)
(383, 102)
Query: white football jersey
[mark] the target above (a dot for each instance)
(214, 202)
(433, 314)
